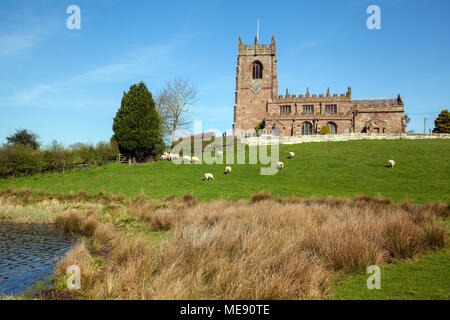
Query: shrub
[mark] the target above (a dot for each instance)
(22, 159)
(325, 130)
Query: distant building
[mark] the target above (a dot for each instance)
(258, 102)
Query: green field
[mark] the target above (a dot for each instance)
(428, 278)
(341, 169)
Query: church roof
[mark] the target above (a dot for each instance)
(377, 102)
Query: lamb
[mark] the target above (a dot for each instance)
(187, 159)
(291, 155)
(279, 165)
(227, 170)
(208, 177)
(219, 154)
(195, 160)
(391, 163)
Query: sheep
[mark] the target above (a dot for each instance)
(219, 154)
(291, 155)
(163, 157)
(208, 177)
(175, 156)
(195, 160)
(391, 163)
(279, 165)
(187, 159)
(227, 170)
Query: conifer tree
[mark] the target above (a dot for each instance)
(137, 126)
(442, 122)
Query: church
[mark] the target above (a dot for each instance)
(258, 105)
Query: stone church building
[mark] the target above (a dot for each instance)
(258, 102)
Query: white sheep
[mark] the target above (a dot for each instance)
(195, 160)
(391, 163)
(227, 170)
(175, 156)
(187, 159)
(219, 154)
(291, 155)
(163, 157)
(279, 165)
(208, 177)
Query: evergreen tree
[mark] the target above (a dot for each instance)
(442, 123)
(137, 126)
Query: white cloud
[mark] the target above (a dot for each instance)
(14, 43)
(132, 64)
(27, 96)
(21, 31)
(75, 91)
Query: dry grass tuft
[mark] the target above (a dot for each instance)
(170, 198)
(92, 212)
(189, 199)
(141, 209)
(260, 197)
(104, 232)
(162, 220)
(90, 225)
(71, 222)
(80, 257)
(101, 195)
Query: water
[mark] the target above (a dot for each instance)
(28, 254)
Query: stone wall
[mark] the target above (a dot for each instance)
(253, 141)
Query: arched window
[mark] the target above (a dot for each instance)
(307, 128)
(257, 70)
(333, 127)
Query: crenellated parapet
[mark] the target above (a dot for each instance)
(256, 48)
(308, 98)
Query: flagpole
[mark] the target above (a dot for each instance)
(257, 31)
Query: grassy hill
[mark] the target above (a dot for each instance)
(341, 169)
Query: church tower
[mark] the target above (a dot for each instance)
(256, 83)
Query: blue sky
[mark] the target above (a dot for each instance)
(67, 84)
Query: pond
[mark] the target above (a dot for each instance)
(28, 254)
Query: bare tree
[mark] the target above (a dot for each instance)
(174, 105)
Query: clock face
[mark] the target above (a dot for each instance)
(255, 88)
